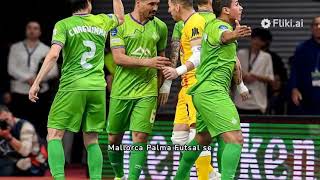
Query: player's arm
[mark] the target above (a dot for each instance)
(175, 43)
(239, 32)
(46, 67)
(58, 41)
(120, 58)
(193, 61)
(118, 10)
(237, 76)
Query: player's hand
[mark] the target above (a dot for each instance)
(33, 93)
(245, 95)
(241, 31)
(170, 73)
(163, 98)
(158, 62)
(296, 96)
(164, 92)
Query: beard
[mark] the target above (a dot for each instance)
(152, 15)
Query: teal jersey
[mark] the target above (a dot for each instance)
(140, 41)
(217, 60)
(83, 40)
(177, 30)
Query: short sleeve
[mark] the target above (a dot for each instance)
(163, 33)
(177, 31)
(116, 37)
(269, 67)
(217, 31)
(59, 34)
(110, 21)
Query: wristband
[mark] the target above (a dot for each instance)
(242, 88)
(181, 69)
(165, 88)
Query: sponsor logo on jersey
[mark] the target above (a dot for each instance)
(114, 32)
(142, 52)
(223, 27)
(195, 32)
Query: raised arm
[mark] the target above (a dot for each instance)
(118, 10)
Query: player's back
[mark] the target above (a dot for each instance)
(217, 60)
(83, 39)
(192, 30)
(207, 15)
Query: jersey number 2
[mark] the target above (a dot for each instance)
(88, 55)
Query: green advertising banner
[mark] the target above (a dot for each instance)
(270, 151)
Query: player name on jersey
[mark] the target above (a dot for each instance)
(87, 29)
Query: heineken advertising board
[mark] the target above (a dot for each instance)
(270, 151)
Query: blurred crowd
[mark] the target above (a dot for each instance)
(274, 90)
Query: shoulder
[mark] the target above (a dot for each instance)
(159, 22)
(17, 45)
(43, 46)
(266, 56)
(304, 45)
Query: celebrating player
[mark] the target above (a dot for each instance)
(138, 49)
(188, 32)
(216, 113)
(80, 99)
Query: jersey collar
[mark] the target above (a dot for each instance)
(189, 17)
(142, 24)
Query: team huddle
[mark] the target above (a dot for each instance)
(204, 41)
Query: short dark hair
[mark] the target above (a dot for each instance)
(4, 108)
(202, 2)
(263, 34)
(184, 3)
(219, 4)
(77, 5)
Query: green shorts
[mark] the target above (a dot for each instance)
(131, 114)
(216, 113)
(71, 109)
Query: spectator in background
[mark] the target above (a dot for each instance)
(25, 59)
(305, 74)
(21, 152)
(257, 74)
(276, 90)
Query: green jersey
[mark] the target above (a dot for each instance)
(217, 60)
(177, 30)
(139, 41)
(83, 40)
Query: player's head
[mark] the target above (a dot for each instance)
(316, 27)
(228, 8)
(33, 30)
(79, 5)
(176, 7)
(261, 38)
(148, 8)
(204, 3)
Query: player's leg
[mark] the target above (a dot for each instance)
(223, 121)
(188, 158)
(56, 157)
(118, 123)
(231, 146)
(181, 129)
(203, 163)
(141, 123)
(94, 122)
(65, 114)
